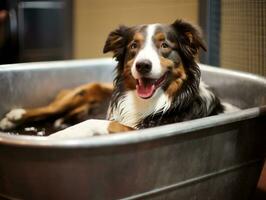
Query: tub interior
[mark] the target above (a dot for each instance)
(36, 84)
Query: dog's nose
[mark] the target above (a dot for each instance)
(143, 66)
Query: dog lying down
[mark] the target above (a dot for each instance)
(157, 82)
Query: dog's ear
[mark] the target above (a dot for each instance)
(116, 41)
(189, 37)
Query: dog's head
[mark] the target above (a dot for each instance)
(156, 56)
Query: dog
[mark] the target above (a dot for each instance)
(157, 82)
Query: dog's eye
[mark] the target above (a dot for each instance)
(164, 45)
(133, 45)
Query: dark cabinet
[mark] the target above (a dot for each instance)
(36, 30)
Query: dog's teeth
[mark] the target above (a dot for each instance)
(141, 82)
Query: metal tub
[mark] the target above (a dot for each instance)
(218, 157)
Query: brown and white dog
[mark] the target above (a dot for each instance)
(157, 82)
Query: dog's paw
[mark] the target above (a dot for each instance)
(12, 119)
(60, 124)
(6, 124)
(15, 114)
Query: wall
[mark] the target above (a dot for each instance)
(94, 19)
(243, 35)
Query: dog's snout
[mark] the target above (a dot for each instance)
(144, 66)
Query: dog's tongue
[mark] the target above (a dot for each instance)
(145, 89)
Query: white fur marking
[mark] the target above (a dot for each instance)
(208, 97)
(87, 128)
(59, 123)
(229, 107)
(9, 122)
(15, 114)
(5, 124)
(149, 53)
(206, 94)
(131, 108)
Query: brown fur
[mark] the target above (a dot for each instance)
(129, 81)
(178, 73)
(116, 127)
(167, 63)
(178, 79)
(72, 102)
(138, 37)
(159, 37)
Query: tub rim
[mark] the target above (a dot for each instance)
(138, 136)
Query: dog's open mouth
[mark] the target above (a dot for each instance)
(146, 87)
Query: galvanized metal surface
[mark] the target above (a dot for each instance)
(217, 157)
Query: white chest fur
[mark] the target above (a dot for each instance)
(131, 108)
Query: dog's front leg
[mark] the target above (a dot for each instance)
(91, 127)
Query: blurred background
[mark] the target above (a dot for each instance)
(235, 30)
(45, 30)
